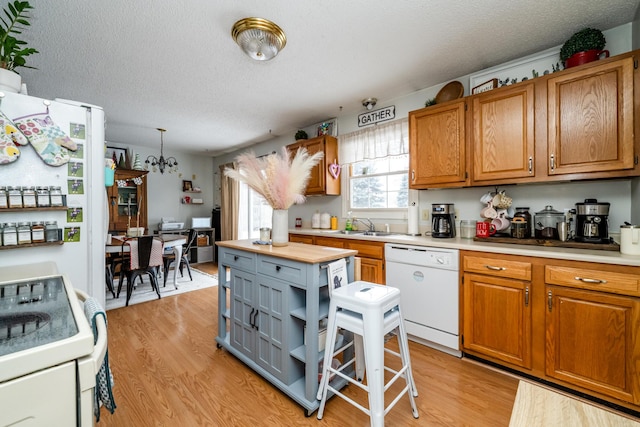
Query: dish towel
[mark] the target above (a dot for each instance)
(104, 378)
(337, 271)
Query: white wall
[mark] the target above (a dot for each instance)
(164, 191)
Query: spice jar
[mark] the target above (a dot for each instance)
(24, 233)
(37, 232)
(51, 231)
(9, 234)
(4, 201)
(55, 196)
(29, 197)
(15, 197)
(43, 196)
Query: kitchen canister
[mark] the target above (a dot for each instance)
(315, 220)
(630, 239)
(468, 228)
(325, 221)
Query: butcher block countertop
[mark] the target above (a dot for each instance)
(294, 251)
(572, 254)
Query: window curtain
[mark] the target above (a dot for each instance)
(229, 204)
(375, 142)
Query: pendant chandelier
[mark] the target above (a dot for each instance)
(161, 163)
(259, 38)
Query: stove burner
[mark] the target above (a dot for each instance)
(19, 325)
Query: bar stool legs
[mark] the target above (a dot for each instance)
(369, 316)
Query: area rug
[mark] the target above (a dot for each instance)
(144, 293)
(540, 406)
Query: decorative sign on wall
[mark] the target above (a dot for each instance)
(377, 116)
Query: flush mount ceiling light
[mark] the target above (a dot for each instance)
(259, 38)
(161, 162)
(369, 103)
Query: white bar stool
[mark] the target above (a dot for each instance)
(369, 311)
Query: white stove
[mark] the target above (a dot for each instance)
(46, 347)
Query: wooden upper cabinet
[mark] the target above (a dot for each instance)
(437, 146)
(503, 134)
(321, 182)
(590, 119)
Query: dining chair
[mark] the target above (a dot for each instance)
(145, 258)
(170, 258)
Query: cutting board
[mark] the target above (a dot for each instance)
(551, 243)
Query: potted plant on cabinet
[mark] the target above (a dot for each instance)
(301, 135)
(12, 50)
(584, 46)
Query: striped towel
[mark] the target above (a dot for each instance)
(104, 378)
(156, 254)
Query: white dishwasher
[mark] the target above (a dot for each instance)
(428, 281)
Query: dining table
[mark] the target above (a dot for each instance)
(171, 241)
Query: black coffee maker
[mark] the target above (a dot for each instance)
(443, 224)
(592, 222)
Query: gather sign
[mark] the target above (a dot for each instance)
(377, 116)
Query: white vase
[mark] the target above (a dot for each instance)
(280, 227)
(10, 81)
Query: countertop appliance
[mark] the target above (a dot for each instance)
(170, 224)
(82, 255)
(428, 282)
(592, 221)
(48, 361)
(443, 222)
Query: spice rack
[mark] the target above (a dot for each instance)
(59, 242)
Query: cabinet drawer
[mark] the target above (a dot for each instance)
(366, 249)
(238, 259)
(498, 267)
(301, 238)
(283, 269)
(329, 241)
(609, 281)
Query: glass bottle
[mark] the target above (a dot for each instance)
(55, 195)
(37, 232)
(43, 196)
(4, 201)
(15, 197)
(51, 231)
(24, 233)
(9, 234)
(29, 197)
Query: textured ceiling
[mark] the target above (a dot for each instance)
(173, 64)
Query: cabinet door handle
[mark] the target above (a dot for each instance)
(278, 268)
(413, 175)
(550, 300)
(552, 162)
(587, 280)
(526, 296)
(494, 268)
(255, 320)
(530, 164)
(250, 319)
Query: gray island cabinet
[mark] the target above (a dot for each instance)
(269, 298)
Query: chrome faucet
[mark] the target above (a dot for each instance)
(368, 223)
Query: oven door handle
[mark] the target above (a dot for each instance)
(100, 348)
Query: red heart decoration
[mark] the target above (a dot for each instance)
(334, 170)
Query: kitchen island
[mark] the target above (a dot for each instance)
(271, 301)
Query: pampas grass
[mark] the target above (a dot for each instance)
(278, 178)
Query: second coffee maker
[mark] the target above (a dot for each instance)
(443, 224)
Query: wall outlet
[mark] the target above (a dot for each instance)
(425, 214)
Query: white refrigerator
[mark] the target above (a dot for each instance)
(81, 256)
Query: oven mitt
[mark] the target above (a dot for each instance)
(10, 137)
(49, 141)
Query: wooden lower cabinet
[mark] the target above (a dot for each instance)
(371, 254)
(576, 324)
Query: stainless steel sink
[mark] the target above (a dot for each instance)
(378, 233)
(352, 231)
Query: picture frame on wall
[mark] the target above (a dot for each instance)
(484, 87)
(118, 155)
(327, 127)
(187, 186)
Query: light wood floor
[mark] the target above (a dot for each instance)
(168, 372)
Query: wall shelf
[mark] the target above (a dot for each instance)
(42, 208)
(32, 245)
